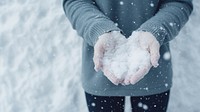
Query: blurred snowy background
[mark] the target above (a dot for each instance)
(40, 60)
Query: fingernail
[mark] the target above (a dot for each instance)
(123, 84)
(96, 69)
(156, 65)
(133, 83)
(115, 83)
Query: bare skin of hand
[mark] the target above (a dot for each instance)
(107, 41)
(148, 42)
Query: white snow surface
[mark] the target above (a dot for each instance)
(40, 60)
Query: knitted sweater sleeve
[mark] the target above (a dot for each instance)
(168, 21)
(87, 19)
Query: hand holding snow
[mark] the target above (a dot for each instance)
(107, 43)
(127, 61)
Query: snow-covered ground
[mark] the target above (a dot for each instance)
(40, 60)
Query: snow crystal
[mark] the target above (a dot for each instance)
(123, 59)
(167, 56)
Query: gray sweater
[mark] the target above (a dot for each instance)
(92, 18)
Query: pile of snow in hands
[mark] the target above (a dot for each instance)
(126, 57)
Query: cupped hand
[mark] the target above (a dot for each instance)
(147, 42)
(107, 41)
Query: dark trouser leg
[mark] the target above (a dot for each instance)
(151, 103)
(104, 103)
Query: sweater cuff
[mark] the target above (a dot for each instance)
(99, 28)
(158, 31)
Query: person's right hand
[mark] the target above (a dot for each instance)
(149, 43)
(106, 42)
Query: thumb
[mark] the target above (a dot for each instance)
(154, 53)
(98, 56)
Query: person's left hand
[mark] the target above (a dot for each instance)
(148, 42)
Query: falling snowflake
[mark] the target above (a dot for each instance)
(151, 4)
(132, 3)
(166, 85)
(166, 56)
(146, 88)
(93, 104)
(145, 107)
(121, 3)
(171, 24)
(161, 28)
(140, 104)
(116, 24)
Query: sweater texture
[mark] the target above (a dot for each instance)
(92, 18)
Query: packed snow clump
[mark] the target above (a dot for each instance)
(127, 57)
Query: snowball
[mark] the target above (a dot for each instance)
(126, 58)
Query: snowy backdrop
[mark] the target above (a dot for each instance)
(40, 60)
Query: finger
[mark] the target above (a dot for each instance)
(154, 53)
(111, 77)
(139, 75)
(98, 57)
(127, 80)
